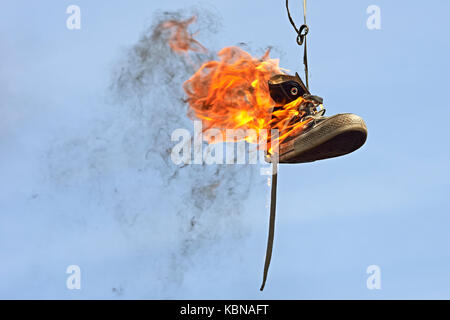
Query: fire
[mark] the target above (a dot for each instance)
(233, 93)
(180, 39)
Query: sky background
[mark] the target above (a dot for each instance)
(385, 204)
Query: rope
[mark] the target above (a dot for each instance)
(273, 207)
(301, 39)
(305, 62)
(305, 49)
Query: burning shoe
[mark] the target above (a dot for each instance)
(321, 137)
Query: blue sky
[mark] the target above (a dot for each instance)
(385, 204)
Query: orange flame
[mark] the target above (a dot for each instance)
(180, 39)
(233, 92)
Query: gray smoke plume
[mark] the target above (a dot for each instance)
(148, 81)
(124, 162)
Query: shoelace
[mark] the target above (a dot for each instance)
(313, 109)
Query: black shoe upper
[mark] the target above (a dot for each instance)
(285, 89)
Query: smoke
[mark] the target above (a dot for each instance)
(123, 163)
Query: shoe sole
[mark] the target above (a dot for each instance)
(336, 136)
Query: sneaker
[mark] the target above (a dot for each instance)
(321, 137)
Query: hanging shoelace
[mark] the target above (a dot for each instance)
(301, 40)
(301, 37)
